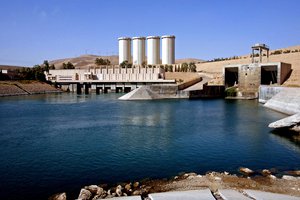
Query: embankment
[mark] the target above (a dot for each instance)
(15, 88)
(265, 180)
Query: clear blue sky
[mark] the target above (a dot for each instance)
(37, 30)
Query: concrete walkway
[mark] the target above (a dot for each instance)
(259, 195)
(205, 194)
(199, 85)
(180, 195)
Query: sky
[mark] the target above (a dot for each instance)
(32, 31)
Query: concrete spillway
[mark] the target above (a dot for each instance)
(155, 92)
(141, 93)
(286, 101)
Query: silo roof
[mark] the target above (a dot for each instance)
(124, 38)
(153, 37)
(138, 38)
(168, 36)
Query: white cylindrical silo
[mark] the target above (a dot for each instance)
(168, 49)
(124, 49)
(138, 54)
(153, 50)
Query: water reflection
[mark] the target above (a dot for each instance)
(76, 137)
(290, 139)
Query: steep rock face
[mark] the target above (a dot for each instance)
(288, 122)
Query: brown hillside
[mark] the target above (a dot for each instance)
(10, 67)
(188, 60)
(84, 61)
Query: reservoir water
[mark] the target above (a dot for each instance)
(61, 142)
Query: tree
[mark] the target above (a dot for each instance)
(52, 66)
(184, 67)
(101, 61)
(192, 67)
(46, 65)
(68, 65)
(125, 64)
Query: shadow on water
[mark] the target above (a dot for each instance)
(292, 136)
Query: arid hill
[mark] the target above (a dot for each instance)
(84, 61)
(188, 60)
(11, 67)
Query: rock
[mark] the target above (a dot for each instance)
(136, 184)
(176, 177)
(266, 172)
(59, 196)
(94, 189)
(128, 186)
(218, 179)
(125, 194)
(272, 177)
(246, 171)
(199, 176)
(294, 173)
(84, 194)
(289, 178)
(100, 196)
(100, 191)
(190, 175)
(296, 128)
(287, 122)
(137, 192)
(119, 190)
(226, 173)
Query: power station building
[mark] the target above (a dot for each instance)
(153, 50)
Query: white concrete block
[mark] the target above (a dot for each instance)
(259, 195)
(183, 195)
(232, 195)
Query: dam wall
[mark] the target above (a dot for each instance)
(266, 92)
(286, 101)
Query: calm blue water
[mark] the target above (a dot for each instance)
(61, 142)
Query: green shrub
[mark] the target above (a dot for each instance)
(231, 92)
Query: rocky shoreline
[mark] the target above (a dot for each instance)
(268, 180)
(24, 87)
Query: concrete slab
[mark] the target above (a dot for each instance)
(127, 198)
(259, 195)
(199, 85)
(186, 195)
(227, 194)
